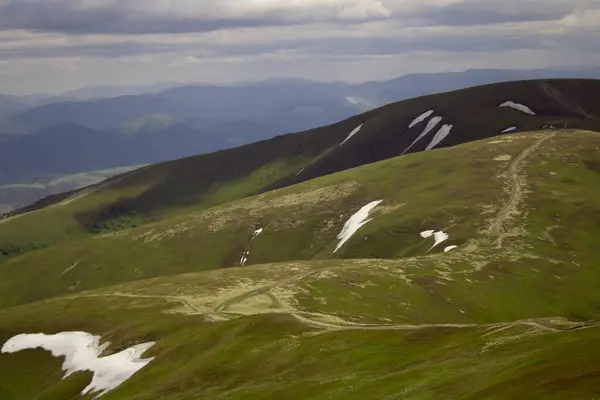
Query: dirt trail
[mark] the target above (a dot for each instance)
(232, 308)
(516, 193)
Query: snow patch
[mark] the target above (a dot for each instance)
(354, 132)
(426, 234)
(299, 172)
(421, 118)
(352, 100)
(439, 136)
(517, 106)
(449, 248)
(512, 128)
(438, 237)
(246, 253)
(82, 353)
(430, 125)
(355, 222)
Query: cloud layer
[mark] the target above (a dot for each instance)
(319, 37)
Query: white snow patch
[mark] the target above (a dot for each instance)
(449, 248)
(355, 223)
(421, 118)
(82, 353)
(517, 106)
(258, 231)
(243, 260)
(512, 128)
(354, 132)
(299, 172)
(439, 136)
(352, 100)
(430, 125)
(439, 237)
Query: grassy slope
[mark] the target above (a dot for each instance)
(301, 222)
(275, 356)
(546, 268)
(421, 191)
(200, 182)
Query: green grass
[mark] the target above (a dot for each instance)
(301, 222)
(546, 269)
(273, 357)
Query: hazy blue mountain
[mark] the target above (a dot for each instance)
(69, 148)
(106, 91)
(10, 105)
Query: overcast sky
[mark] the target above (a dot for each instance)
(59, 45)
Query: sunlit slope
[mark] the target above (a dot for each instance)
(163, 190)
(523, 195)
(253, 333)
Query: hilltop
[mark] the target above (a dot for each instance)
(249, 299)
(165, 189)
(146, 124)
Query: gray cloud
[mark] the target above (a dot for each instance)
(103, 50)
(488, 12)
(63, 17)
(100, 40)
(330, 47)
(154, 16)
(138, 17)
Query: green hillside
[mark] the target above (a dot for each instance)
(511, 312)
(173, 188)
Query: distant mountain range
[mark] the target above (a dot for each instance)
(80, 131)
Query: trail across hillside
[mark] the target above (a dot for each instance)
(516, 193)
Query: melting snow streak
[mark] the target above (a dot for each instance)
(449, 248)
(426, 234)
(354, 132)
(355, 223)
(82, 353)
(430, 125)
(439, 136)
(512, 128)
(517, 106)
(421, 118)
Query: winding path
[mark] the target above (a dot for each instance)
(516, 193)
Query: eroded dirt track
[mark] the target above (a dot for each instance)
(517, 183)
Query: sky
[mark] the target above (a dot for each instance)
(58, 45)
